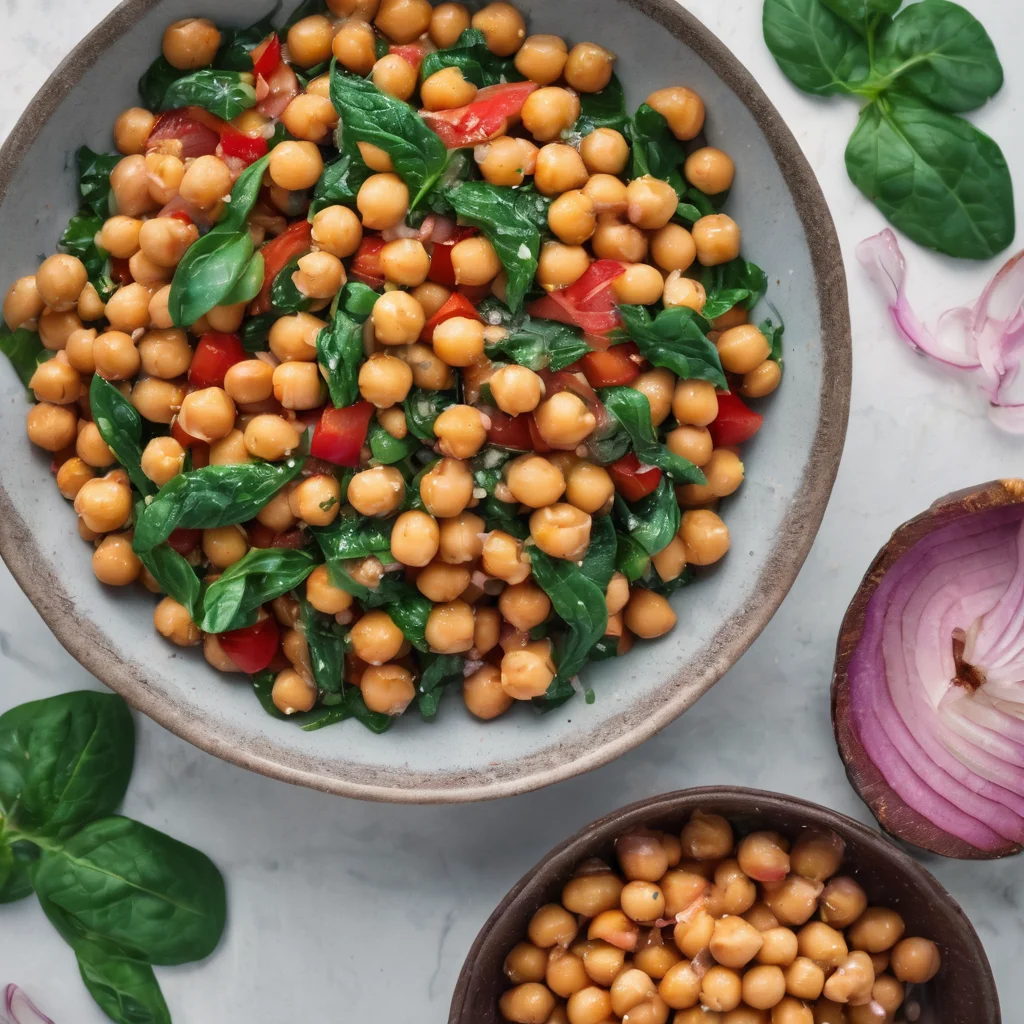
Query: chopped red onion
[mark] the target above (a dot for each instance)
(983, 343)
(19, 1009)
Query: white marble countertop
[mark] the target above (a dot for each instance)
(347, 911)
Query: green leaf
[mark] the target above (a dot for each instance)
(604, 109)
(154, 897)
(858, 12)
(284, 295)
(651, 522)
(20, 858)
(935, 177)
(358, 300)
(64, 760)
(94, 179)
(774, 335)
(176, 577)
(244, 193)
(632, 559)
(225, 94)
(512, 220)
(339, 348)
(24, 350)
(120, 425)
(436, 672)
(155, 82)
(599, 561)
(369, 115)
(387, 450)
(537, 344)
(233, 599)
(737, 282)
(656, 150)
(676, 339)
(255, 331)
(941, 52)
(633, 411)
(472, 57)
(352, 536)
(326, 642)
(816, 50)
(125, 990)
(340, 182)
(237, 44)
(207, 274)
(210, 497)
(410, 616)
(248, 286)
(422, 409)
(79, 239)
(352, 706)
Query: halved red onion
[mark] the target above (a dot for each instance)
(19, 1009)
(928, 692)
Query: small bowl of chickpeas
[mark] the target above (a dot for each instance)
(413, 368)
(726, 906)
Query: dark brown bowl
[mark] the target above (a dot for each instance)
(964, 989)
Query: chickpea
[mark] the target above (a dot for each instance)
(529, 1003)
(394, 75)
(617, 240)
(55, 328)
(402, 21)
(876, 930)
(323, 595)
(319, 275)
(682, 108)
(720, 989)
(173, 622)
(375, 158)
(355, 47)
(91, 448)
(506, 160)
(680, 988)
(792, 900)
(502, 557)
(129, 184)
(447, 22)
(52, 427)
(191, 43)
(503, 28)
(336, 229)
(516, 389)
(695, 402)
(90, 306)
(460, 431)
(293, 338)
(163, 240)
(486, 630)
(692, 936)
(22, 302)
(363, 10)
(691, 443)
(705, 535)
(162, 460)
(571, 217)
(377, 491)
(208, 414)
(651, 203)
(709, 170)
(375, 638)
(742, 349)
(551, 925)
(791, 1011)
(127, 310)
(270, 437)
(398, 319)
(60, 280)
(716, 239)
(230, 450)
(707, 837)
(670, 562)
(617, 594)
(608, 195)
(165, 353)
(852, 980)
(804, 979)
(429, 371)
(817, 855)
(485, 699)
(673, 248)
(589, 67)
(310, 117)
(648, 614)
(384, 380)
(224, 545)
(56, 381)
(524, 605)
(762, 380)
(683, 291)
(475, 263)
(780, 947)
(104, 504)
(449, 627)
(114, 562)
(542, 58)
(442, 583)
(589, 487)
(447, 489)
(643, 902)
(561, 531)
(527, 672)
(249, 381)
(447, 89)
(164, 173)
(764, 856)
(309, 41)
(565, 973)
(534, 481)
(563, 420)
(658, 387)
(120, 236)
(561, 265)
(405, 262)
(559, 168)
(115, 356)
(387, 689)
(640, 285)
(415, 538)
(459, 341)
(383, 201)
(592, 894)
(295, 165)
(292, 692)
(72, 476)
(525, 961)
(147, 272)
(915, 961)
(764, 987)
(131, 130)
(431, 297)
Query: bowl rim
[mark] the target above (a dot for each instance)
(21, 551)
(566, 855)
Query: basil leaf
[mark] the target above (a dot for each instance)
(223, 93)
(656, 150)
(352, 706)
(65, 760)
(125, 990)
(388, 450)
(358, 300)
(120, 425)
(537, 344)
(934, 176)
(858, 12)
(284, 295)
(176, 577)
(613, 443)
(651, 522)
(816, 50)
(237, 44)
(207, 274)
(249, 285)
(436, 672)
(255, 331)
(94, 180)
(79, 239)
(16, 877)
(774, 335)
(339, 183)
(631, 558)
(599, 561)
(369, 115)
(676, 339)
(339, 348)
(210, 497)
(604, 109)
(471, 56)
(422, 409)
(410, 616)
(244, 194)
(326, 642)
(351, 536)
(24, 350)
(156, 898)
(233, 599)
(512, 219)
(633, 411)
(155, 82)
(943, 54)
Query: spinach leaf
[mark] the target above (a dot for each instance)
(210, 497)
(676, 339)
(512, 219)
(339, 348)
(120, 425)
(326, 642)
(244, 193)
(352, 706)
(94, 180)
(943, 54)
(738, 282)
(176, 577)
(125, 989)
(369, 115)
(255, 331)
(248, 286)
(64, 760)
(233, 599)
(656, 150)
(353, 536)
(17, 862)
(410, 616)
(472, 57)
(237, 44)
(599, 562)
(24, 350)
(340, 182)
(631, 558)
(859, 13)
(537, 344)
(223, 93)
(157, 899)
(651, 522)
(633, 411)
(358, 300)
(774, 335)
(611, 445)
(79, 239)
(934, 176)
(155, 82)
(388, 450)
(604, 109)
(436, 672)
(487, 474)
(422, 409)
(284, 295)
(816, 50)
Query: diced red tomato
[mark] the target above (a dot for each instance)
(120, 271)
(180, 215)
(252, 648)
(441, 269)
(281, 88)
(200, 452)
(197, 130)
(487, 117)
(537, 442)
(341, 433)
(735, 423)
(266, 56)
(413, 53)
(609, 369)
(475, 292)
(179, 435)
(366, 264)
(510, 431)
(215, 354)
(588, 304)
(632, 479)
(295, 241)
(185, 541)
(247, 148)
(457, 305)
(261, 536)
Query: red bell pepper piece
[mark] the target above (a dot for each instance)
(609, 369)
(487, 117)
(441, 269)
(588, 304)
(632, 479)
(184, 439)
(510, 431)
(296, 240)
(266, 56)
(252, 648)
(247, 148)
(185, 541)
(341, 433)
(735, 423)
(412, 52)
(215, 354)
(457, 305)
(367, 266)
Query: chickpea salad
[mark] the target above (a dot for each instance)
(397, 356)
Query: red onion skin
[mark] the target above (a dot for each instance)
(894, 813)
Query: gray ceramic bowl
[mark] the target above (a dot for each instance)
(964, 989)
(791, 465)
